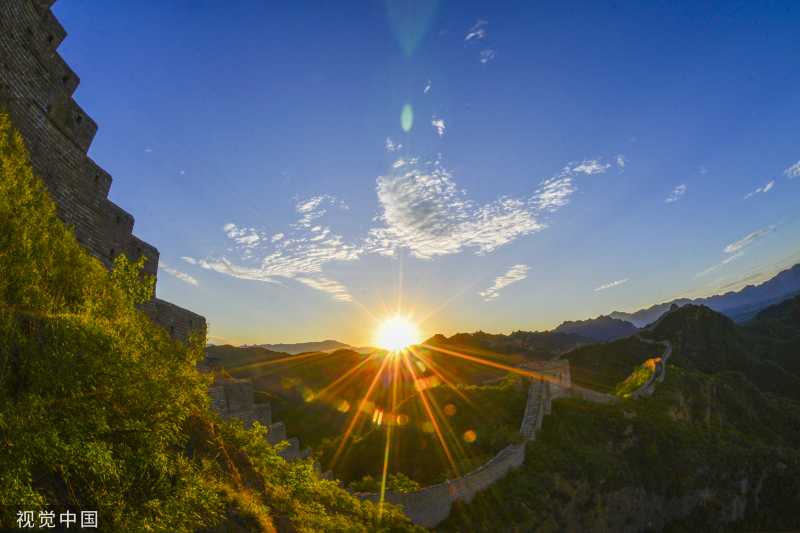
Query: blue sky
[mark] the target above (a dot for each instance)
(308, 169)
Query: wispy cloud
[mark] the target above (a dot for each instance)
(324, 284)
(515, 274)
(607, 285)
(703, 170)
(148, 150)
(180, 275)
(423, 210)
(439, 125)
(487, 55)
(712, 269)
(477, 32)
(299, 256)
(676, 194)
(427, 87)
(793, 171)
(765, 188)
(420, 209)
(747, 240)
(591, 166)
(190, 260)
(391, 146)
(621, 160)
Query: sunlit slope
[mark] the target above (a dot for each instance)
(319, 396)
(602, 366)
(708, 342)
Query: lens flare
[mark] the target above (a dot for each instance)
(407, 117)
(397, 333)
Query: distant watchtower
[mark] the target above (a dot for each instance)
(36, 87)
(673, 307)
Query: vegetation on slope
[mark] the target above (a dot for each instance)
(491, 414)
(100, 410)
(602, 366)
(637, 464)
(710, 451)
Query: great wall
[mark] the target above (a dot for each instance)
(36, 88)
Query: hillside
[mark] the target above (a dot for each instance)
(602, 366)
(602, 328)
(709, 342)
(715, 448)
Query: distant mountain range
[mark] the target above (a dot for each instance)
(602, 328)
(303, 347)
(740, 306)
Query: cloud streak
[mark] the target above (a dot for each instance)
(676, 194)
(180, 275)
(747, 240)
(765, 188)
(608, 285)
(439, 125)
(712, 269)
(516, 273)
(476, 33)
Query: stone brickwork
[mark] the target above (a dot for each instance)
(36, 87)
(233, 398)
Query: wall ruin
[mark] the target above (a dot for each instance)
(36, 87)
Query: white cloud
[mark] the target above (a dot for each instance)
(427, 87)
(476, 33)
(703, 170)
(190, 260)
(486, 55)
(633, 140)
(240, 235)
(180, 275)
(439, 125)
(423, 210)
(148, 150)
(712, 269)
(621, 160)
(310, 205)
(391, 146)
(324, 284)
(676, 194)
(747, 240)
(793, 171)
(591, 166)
(515, 274)
(607, 285)
(183, 172)
(276, 238)
(765, 188)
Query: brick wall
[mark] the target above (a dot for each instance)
(36, 87)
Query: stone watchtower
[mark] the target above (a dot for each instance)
(36, 87)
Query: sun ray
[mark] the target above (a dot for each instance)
(431, 415)
(355, 415)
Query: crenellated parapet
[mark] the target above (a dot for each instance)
(36, 87)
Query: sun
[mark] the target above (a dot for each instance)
(396, 333)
